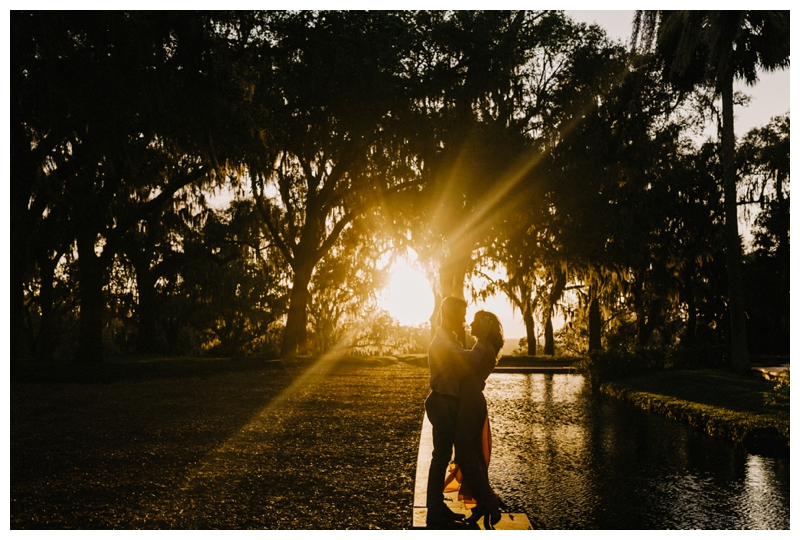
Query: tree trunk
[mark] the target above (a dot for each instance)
(595, 322)
(549, 339)
(530, 331)
(434, 318)
(459, 277)
(555, 295)
(451, 281)
(90, 272)
(638, 308)
(17, 294)
(172, 328)
(739, 354)
(147, 310)
(46, 341)
(23, 176)
(295, 338)
(691, 319)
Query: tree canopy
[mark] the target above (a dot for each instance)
(517, 152)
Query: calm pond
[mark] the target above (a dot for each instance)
(573, 460)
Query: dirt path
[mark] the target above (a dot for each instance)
(256, 446)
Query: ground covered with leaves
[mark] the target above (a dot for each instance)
(216, 444)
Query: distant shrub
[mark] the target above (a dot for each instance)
(414, 359)
(362, 359)
(701, 357)
(618, 363)
(521, 349)
(608, 365)
(780, 390)
(540, 360)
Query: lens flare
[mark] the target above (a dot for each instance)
(408, 298)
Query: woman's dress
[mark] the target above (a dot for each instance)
(469, 473)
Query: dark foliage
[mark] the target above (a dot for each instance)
(482, 139)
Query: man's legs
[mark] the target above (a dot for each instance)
(442, 414)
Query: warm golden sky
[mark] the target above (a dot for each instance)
(770, 97)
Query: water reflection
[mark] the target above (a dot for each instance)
(573, 460)
(760, 497)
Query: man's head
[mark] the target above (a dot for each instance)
(454, 313)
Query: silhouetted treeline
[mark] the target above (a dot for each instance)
(517, 141)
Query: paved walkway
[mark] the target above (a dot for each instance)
(508, 521)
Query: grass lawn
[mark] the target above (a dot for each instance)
(215, 444)
(744, 408)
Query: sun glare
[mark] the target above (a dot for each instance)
(408, 298)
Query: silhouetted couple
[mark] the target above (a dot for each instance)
(457, 411)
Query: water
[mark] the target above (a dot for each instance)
(573, 460)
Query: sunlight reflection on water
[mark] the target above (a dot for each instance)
(573, 460)
(759, 492)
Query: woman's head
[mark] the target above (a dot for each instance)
(486, 325)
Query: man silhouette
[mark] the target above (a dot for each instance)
(448, 362)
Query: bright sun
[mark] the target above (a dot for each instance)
(408, 298)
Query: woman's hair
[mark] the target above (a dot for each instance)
(495, 334)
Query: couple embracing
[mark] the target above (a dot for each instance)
(457, 411)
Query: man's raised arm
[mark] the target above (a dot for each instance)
(466, 361)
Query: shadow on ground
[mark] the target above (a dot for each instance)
(210, 444)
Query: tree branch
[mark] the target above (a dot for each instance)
(114, 236)
(284, 189)
(266, 218)
(328, 243)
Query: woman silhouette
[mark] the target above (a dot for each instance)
(469, 474)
